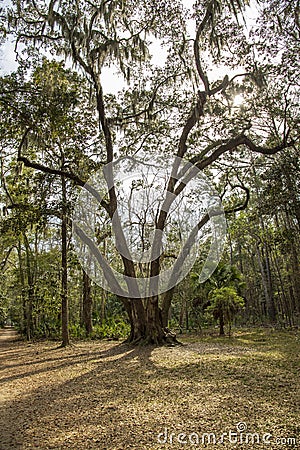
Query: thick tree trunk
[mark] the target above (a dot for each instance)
(64, 275)
(30, 290)
(147, 327)
(221, 319)
(29, 321)
(23, 289)
(166, 304)
(154, 328)
(87, 305)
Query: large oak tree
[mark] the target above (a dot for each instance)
(181, 106)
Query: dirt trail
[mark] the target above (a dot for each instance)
(8, 338)
(7, 335)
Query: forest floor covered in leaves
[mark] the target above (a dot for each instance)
(108, 395)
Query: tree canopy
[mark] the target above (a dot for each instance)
(222, 102)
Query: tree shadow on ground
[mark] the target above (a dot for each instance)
(117, 396)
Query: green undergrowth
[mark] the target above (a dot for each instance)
(114, 329)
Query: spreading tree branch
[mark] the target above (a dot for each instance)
(241, 206)
(69, 175)
(233, 143)
(200, 30)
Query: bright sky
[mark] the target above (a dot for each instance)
(7, 58)
(111, 81)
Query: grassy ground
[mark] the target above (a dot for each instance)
(105, 395)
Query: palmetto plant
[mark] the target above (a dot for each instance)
(225, 304)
